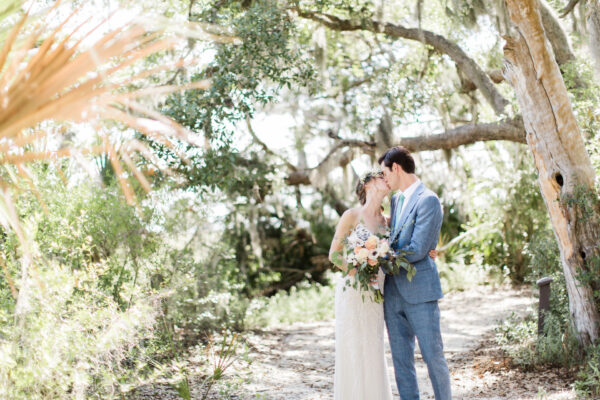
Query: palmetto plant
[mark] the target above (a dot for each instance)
(77, 68)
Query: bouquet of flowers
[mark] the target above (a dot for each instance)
(367, 254)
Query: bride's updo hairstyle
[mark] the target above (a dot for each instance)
(361, 186)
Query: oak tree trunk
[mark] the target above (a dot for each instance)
(563, 165)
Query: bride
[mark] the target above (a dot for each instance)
(360, 367)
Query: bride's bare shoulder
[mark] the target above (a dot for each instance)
(350, 216)
(353, 212)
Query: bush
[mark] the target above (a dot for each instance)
(587, 385)
(304, 303)
(112, 297)
(67, 344)
(509, 211)
(558, 346)
(86, 227)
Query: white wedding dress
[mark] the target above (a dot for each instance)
(360, 367)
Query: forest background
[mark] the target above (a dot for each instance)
(172, 179)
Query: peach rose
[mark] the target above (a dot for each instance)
(371, 242)
(357, 249)
(372, 262)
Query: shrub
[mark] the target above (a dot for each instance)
(587, 385)
(558, 346)
(304, 303)
(509, 211)
(67, 344)
(111, 293)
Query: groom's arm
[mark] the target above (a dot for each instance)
(427, 229)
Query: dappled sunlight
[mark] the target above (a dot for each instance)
(185, 186)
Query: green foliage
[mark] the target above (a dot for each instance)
(585, 96)
(270, 251)
(66, 344)
(94, 230)
(303, 303)
(587, 385)
(584, 203)
(238, 75)
(453, 222)
(229, 172)
(557, 346)
(83, 321)
(466, 12)
(109, 298)
(238, 71)
(223, 356)
(509, 211)
(546, 262)
(358, 9)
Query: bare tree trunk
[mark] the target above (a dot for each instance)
(561, 158)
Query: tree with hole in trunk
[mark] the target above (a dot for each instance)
(566, 175)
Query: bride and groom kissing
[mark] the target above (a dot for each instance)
(410, 307)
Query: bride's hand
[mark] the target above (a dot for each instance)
(433, 253)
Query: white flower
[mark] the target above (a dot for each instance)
(374, 254)
(351, 259)
(362, 255)
(384, 247)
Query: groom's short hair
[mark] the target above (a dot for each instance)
(401, 156)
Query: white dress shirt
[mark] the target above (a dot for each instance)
(409, 191)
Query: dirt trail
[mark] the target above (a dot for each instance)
(297, 361)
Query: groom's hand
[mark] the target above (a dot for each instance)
(433, 253)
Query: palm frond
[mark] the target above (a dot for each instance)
(80, 74)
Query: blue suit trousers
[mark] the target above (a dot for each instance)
(405, 322)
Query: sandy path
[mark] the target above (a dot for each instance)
(297, 361)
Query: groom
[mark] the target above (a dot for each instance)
(411, 308)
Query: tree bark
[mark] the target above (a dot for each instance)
(560, 156)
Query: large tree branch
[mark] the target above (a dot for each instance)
(568, 8)
(511, 130)
(466, 64)
(556, 35)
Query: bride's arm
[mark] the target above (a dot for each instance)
(343, 228)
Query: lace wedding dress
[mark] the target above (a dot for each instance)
(360, 366)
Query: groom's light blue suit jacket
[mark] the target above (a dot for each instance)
(418, 232)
